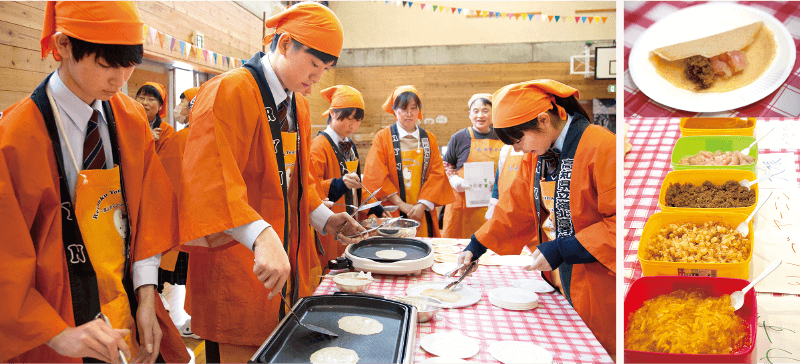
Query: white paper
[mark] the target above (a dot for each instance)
(776, 236)
(479, 176)
(785, 135)
(778, 330)
(782, 166)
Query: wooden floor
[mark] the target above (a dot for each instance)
(199, 348)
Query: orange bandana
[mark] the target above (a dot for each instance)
(342, 97)
(162, 112)
(103, 22)
(309, 23)
(190, 93)
(522, 102)
(387, 106)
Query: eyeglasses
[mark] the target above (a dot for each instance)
(147, 99)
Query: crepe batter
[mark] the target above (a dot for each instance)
(360, 325)
(390, 254)
(334, 354)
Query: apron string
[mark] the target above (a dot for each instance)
(57, 116)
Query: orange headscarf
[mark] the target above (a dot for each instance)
(103, 22)
(309, 23)
(190, 93)
(522, 102)
(162, 112)
(342, 97)
(387, 106)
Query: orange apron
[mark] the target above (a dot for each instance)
(460, 221)
(102, 217)
(290, 142)
(412, 181)
(509, 172)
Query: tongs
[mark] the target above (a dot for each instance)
(470, 266)
(308, 326)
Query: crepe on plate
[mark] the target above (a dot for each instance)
(718, 63)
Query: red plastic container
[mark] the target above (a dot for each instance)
(646, 288)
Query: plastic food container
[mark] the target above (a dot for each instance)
(659, 220)
(348, 282)
(717, 126)
(697, 177)
(424, 312)
(692, 145)
(646, 288)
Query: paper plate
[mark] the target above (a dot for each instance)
(442, 268)
(512, 260)
(512, 298)
(511, 352)
(443, 242)
(469, 295)
(443, 360)
(704, 20)
(534, 285)
(446, 249)
(450, 344)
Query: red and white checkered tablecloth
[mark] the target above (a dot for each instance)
(645, 168)
(554, 325)
(785, 101)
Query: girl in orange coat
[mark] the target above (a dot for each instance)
(405, 152)
(573, 161)
(152, 96)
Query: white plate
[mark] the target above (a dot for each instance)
(705, 20)
(514, 295)
(443, 242)
(443, 360)
(445, 258)
(442, 268)
(512, 260)
(469, 295)
(446, 249)
(511, 352)
(450, 344)
(534, 285)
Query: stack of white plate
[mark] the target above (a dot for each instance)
(535, 285)
(512, 298)
(512, 352)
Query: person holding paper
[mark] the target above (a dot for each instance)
(478, 143)
(543, 119)
(405, 159)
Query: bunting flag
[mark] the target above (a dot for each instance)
(499, 15)
(153, 35)
(205, 55)
(183, 47)
(161, 37)
(171, 43)
(144, 31)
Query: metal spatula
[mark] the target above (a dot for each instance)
(308, 326)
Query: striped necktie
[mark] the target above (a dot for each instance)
(283, 111)
(94, 155)
(551, 158)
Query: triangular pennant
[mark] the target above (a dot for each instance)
(604, 19)
(491, 14)
(197, 53)
(577, 19)
(215, 58)
(205, 55)
(161, 40)
(484, 13)
(557, 17)
(550, 17)
(171, 42)
(583, 19)
(530, 16)
(452, 10)
(153, 34)
(537, 16)
(243, 61)
(183, 47)
(459, 10)
(410, 4)
(435, 7)
(503, 15)
(145, 29)
(441, 9)
(597, 19)
(510, 16)
(404, 3)
(422, 6)
(590, 20)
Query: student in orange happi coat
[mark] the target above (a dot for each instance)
(87, 208)
(152, 96)
(405, 152)
(247, 187)
(477, 143)
(335, 160)
(543, 119)
(175, 263)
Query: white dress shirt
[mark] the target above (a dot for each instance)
(559, 143)
(401, 133)
(75, 116)
(247, 233)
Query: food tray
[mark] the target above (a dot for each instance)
(697, 177)
(691, 145)
(717, 126)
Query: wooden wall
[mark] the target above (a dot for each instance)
(445, 90)
(228, 30)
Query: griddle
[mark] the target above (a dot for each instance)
(292, 343)
(414, 249)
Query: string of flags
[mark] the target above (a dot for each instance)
(190, 51)
(500, 15)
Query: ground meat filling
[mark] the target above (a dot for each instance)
(699, 70)
(709, 195)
